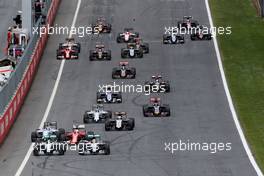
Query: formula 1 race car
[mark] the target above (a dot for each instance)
(143, 45)
(78, 133)
(94, 146)
(7, 66)
(201, 35)
(173, 39)
(100, 53)
(187, 23)
(101, 26)
(131, 51)
(157, 84)
(109, 96)
(97, 114)
(120, 122)
(156, 109)
(49, 131)
(127, 36)
(49, 147)
(69, 50)
(124, 71)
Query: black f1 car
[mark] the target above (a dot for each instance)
(127, 36)
(49, 131)
(101, 26)
(157, 84)
(94, 146)
(124, 71)
(97, 114)
(131, 51)
(109, 96)
(201, 35)
(173, 39)
(156, 109)
(69, 50)
(188, 23)
(143, 45)
(120, 122)
(100, 53)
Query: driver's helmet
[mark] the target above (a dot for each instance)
(157, 80)
(93, 140)
(108, 89)
(97, 109)
(155, 104)
(123, 66)
(119, 117)
(48, 128)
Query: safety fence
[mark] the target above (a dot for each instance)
(13, 94)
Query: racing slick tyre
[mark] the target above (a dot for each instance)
(118, 39)
(114, 73)
(146, 48)
(61, 131)
(109, 55)
(61, 151)
(140, 55)
(167, 87)
(134, 73)
(193, 37)
(86, 119)
(108, 115)
(34, 136)
(107, 148)
(123, 55)
(62, 137)
(167, 109)
(119, 96)
(107, 126)
(79, 47)
(131, 124)
(35, 152)
(145, 111)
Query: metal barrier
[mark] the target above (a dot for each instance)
(27, 69)
(8, 90)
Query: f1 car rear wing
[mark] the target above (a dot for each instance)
(95, 106)
(50, 124)
(187, 17)
(79, 126)
(128, 29)
(156, 77)
(131, 45)
(123, 63)
(70, 39)
(120, 113)
(99, 46)
(155, 100)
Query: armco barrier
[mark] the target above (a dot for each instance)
(14, 106)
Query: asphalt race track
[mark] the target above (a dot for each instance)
(200, 111)
(8, 9)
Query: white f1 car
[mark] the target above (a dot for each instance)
(97, 114)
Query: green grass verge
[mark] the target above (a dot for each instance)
(243, 58)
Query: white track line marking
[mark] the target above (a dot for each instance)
(29, 152)
(229, 98)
